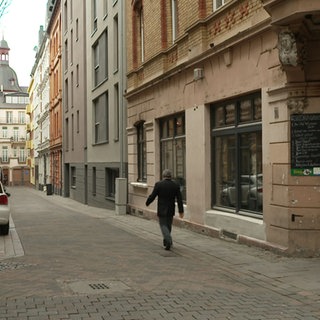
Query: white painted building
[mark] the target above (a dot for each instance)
(13, 101)
(39, 112)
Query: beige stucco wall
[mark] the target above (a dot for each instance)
(250, 66)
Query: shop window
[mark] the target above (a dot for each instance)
(237, 155)
(173, 149)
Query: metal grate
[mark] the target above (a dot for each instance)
(98, 286)
(229, 234)
(12, 266)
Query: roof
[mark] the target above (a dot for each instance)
(8, 77)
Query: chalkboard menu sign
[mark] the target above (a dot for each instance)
(305, 144)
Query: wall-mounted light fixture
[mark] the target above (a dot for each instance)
(197, 74)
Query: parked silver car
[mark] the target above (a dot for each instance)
(4, 210)
(251, 193)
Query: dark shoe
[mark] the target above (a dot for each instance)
(168, 246)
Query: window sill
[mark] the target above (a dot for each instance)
(142, 185)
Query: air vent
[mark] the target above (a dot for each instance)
(230, 235)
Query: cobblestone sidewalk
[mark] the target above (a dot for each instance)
(72, 261)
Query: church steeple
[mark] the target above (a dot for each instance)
(8, 77)
(4, 52)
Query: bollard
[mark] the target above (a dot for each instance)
(121, 196)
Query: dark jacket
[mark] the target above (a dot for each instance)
(167, 191)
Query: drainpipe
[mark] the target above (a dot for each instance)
(121, 182)
(122, 84)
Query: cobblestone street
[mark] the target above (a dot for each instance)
(65, 260)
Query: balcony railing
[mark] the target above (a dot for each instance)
(17, 140)
(6, 160)
(14, 120)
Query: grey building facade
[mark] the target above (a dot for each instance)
(74, 99)
(94, 110)
(106, 112)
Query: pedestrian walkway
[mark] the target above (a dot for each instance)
(10, 246)
(72, 261)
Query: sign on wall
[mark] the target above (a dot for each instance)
(305, 144)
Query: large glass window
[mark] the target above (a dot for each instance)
(237, 154)
(173, 148)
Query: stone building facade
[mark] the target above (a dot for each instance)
(214, 91)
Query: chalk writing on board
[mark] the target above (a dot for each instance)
(305, 144)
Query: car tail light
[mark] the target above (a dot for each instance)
(260, 189)
(3, 199)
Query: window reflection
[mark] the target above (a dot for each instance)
(251, 171)
(230, 114)
(238, 155)
(225, 170)
(173, 149)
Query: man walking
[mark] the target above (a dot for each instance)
(167, 191)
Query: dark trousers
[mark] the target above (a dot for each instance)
(166, 226)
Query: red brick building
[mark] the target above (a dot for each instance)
(54, 31)
(215, 90)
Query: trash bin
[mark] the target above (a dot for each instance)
(49, 189)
